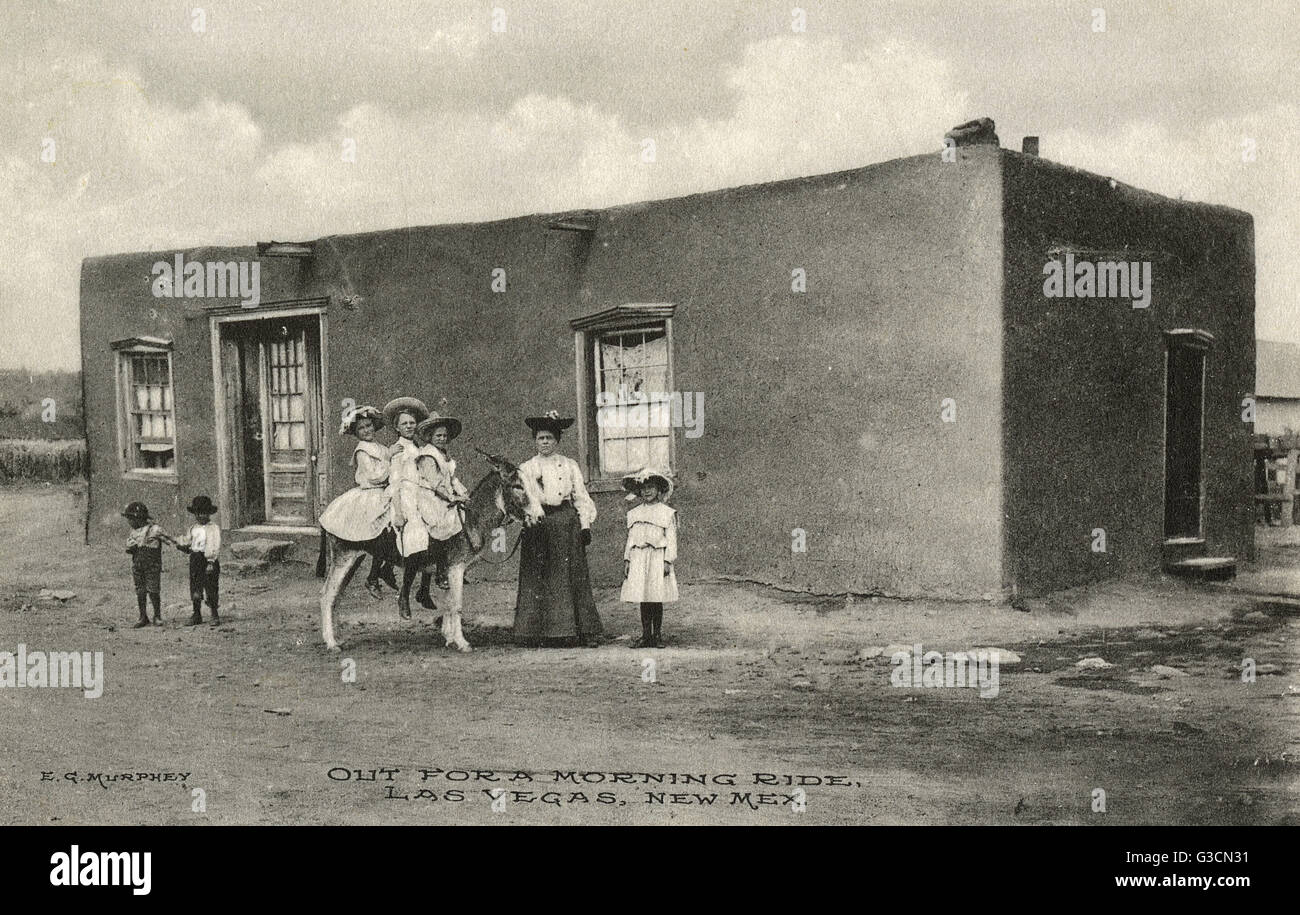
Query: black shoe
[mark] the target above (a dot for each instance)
(216, 620)
(141, 623)
(424, 599)
(194, 620)
(157, 620)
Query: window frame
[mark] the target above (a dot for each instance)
(586, 331)
(123, 352)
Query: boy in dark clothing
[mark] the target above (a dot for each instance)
(145, 546)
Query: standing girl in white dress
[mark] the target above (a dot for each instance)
(648, 577)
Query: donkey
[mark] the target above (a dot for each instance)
(496, 500)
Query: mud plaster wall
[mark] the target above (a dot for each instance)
(822, 409)
(1085, 378)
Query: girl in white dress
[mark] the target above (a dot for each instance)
(405, 413)
(361, 514)
(648, 577)
(437, 496)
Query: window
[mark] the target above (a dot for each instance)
(633, 399)
(625, 385)
(146, 412)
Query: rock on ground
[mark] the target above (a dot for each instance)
(242, 568)
(262, 549)
(1006, 656)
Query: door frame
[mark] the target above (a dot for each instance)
(217, 319)
(1200, 341)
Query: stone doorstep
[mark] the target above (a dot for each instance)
(261, 550)
(1206, 568)
(306, 540)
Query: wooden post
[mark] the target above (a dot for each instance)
(1288, 488)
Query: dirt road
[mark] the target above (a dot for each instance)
(760, 711)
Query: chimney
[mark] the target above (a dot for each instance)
(1030, 146)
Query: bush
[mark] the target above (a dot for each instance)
(57, 461)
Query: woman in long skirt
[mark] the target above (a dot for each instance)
(555, 603)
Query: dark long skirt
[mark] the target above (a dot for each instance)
(555, 600)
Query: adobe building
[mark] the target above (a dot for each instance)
(1277, 431)
(1277, 388)
(892, 403)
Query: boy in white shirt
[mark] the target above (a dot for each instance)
(203, 543)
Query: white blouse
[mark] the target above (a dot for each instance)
(371, 462)
(205, 539)
(552, 479)
(653, 526)
(439, 474)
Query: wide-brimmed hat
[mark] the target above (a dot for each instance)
(136, 510)
(549, 422)
(201, 505)
(356, 414)
(633, 481)
(434, 421)
(399, 405)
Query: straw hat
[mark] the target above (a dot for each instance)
(434, 421)
(399, 405)
(356, 414)
(633, 481)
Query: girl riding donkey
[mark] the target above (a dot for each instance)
(362, 513)
(499, 498)
(429, 501)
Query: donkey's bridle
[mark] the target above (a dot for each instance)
(508, 499)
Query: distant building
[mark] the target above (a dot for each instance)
(892, 402)
(1277, 388)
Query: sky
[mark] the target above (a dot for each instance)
(175, 124)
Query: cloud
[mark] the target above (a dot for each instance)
(140, 172)
(1206, 163)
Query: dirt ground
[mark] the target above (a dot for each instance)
(760, 695)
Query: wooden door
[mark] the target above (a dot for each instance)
(1184, 411)
(290, 383)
